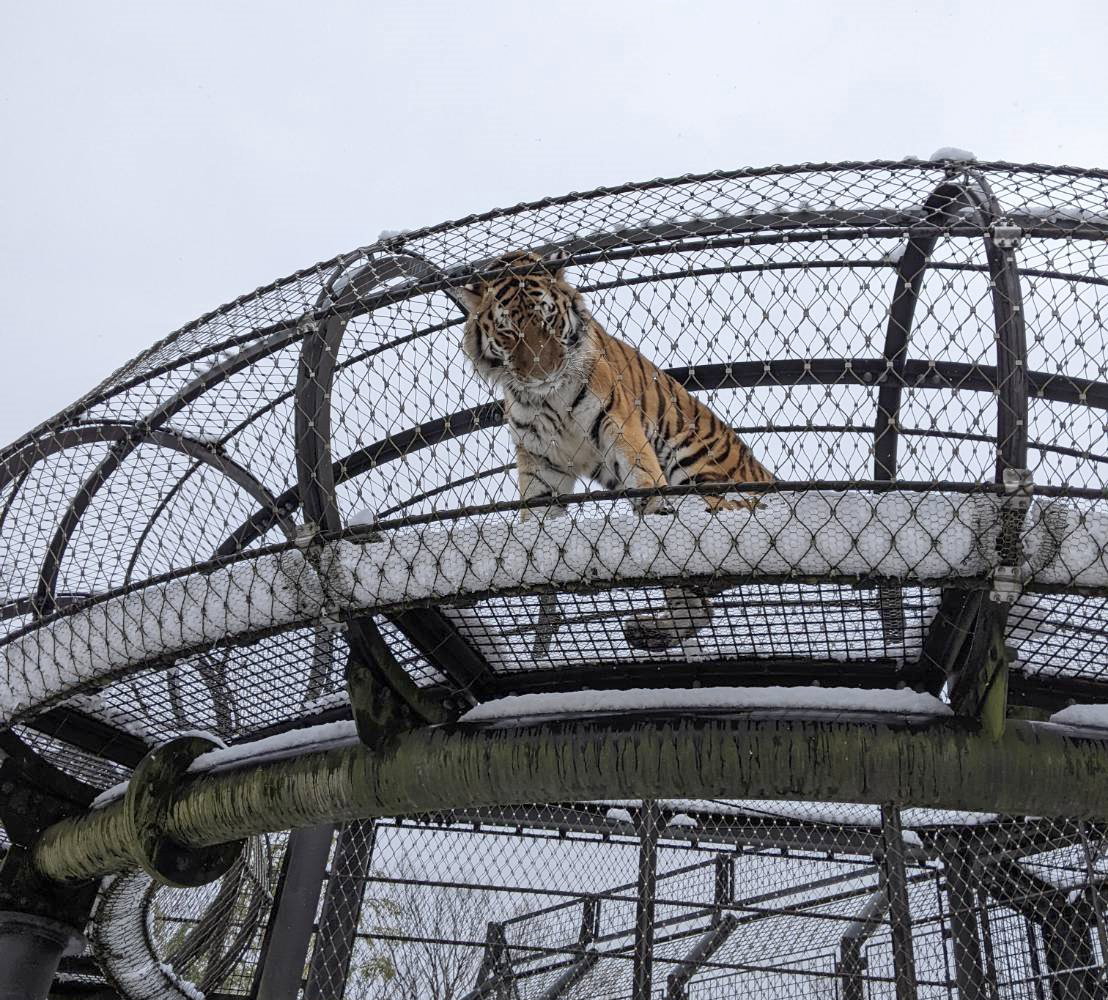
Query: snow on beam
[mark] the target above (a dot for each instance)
(1034, 769)
(915, 537)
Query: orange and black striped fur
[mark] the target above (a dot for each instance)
(582, 404)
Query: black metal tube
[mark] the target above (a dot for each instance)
(342, 907)
(938, 209)
(1011, 336)
(292, 919)
(965, 940)
(30, 949)
(649, 826)
(900, 917)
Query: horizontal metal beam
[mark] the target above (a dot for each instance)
(760, 833)
(944, 763)
(88, 733)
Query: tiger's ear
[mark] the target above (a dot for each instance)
(467, 296)
(556, 261)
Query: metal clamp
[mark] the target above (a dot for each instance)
(1005, 236)
(146, 806)
(1007, 585)
(1018, 487)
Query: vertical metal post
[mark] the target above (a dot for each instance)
(941, 911)
(724, 890)
(964, 936)
(285, 945)
(987, 944)
(1033, 953)
(342, 908)
(896, 885)
(30, 949)
(1093, 889)
(649, 824)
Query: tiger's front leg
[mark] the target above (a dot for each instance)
(628, 459)
(540, 479)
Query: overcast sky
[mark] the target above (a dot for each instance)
(159, 159)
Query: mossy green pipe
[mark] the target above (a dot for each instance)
(948, 763)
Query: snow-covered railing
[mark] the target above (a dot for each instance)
(922, 538)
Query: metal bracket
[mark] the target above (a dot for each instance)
(1005, 236)
(384, 698)
(146, 804)
(1007, 585)
(1008, 576)
(307, 324)
(1019, 483)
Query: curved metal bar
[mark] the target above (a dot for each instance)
(1077, 229)
(381, 692)
(1011, 335)
(153, 519)
(136, 435)
(1011, 366)
(938, 208)
(203, 453)
(7, 506)
(938, 211)
(315, 380)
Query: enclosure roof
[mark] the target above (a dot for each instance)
(188, 545)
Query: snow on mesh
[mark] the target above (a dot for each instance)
(909, 536)
(153, 621)
(120, 937)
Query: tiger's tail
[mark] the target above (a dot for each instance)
(686, 613)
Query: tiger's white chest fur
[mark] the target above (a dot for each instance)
(555, 424)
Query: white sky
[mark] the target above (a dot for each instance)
(158, 159)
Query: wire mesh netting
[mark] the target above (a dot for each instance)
(697, 899)
(823, 425)
(858, 325)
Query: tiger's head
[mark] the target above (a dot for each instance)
(527, 329)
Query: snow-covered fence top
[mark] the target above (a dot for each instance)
(910, 537)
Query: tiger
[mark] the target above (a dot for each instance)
(583, 404)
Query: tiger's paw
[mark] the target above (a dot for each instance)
(644, 634)
(715, 504)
